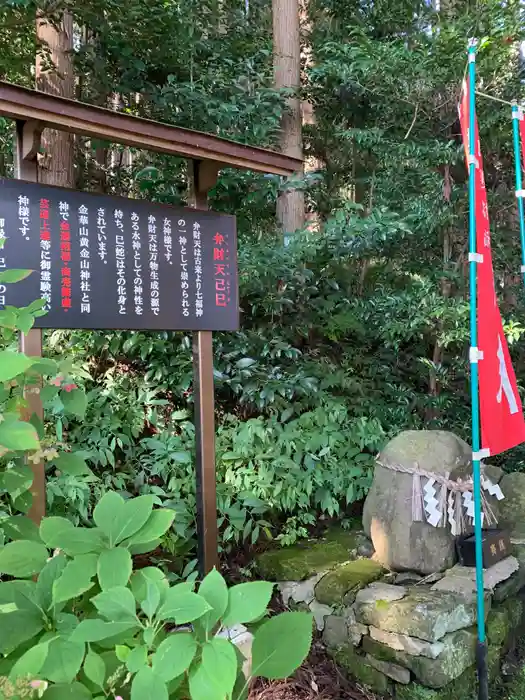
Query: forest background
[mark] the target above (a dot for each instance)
(353, 275)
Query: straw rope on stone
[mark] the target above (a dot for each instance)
(443, 501)
(416, 469)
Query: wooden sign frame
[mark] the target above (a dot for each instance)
(33, 111)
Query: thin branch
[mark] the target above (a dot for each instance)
(413, 122)
(494, 99)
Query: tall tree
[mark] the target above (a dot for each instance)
(287, 70)
(54, 75)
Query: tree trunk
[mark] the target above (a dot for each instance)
(287, 70)
(54, 75)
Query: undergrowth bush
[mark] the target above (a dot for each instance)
(80, 623)
(275, 477)
(76, 621)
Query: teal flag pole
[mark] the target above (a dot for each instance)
(519, 182)
(481, 656)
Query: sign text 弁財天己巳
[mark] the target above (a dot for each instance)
(104, 262)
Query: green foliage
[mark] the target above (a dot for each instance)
(24, 440)
(350, 334)
(99, 628)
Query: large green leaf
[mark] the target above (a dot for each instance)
(8, 318)
(77, 578)
(144, 548)
(16, 480)
(174, 655)
(119, 519)
(24, 322)
(95, 668)
(158, 523)
(18, 627)
(247, 602)
(20, 527)
(66, 624)
(215, 592)
(281, 645)
(98, 630)
(60, 533)
(203, 685)
(140, 579)
(44, 366)
(220, 654)
(148, 686)
(12, 364)
(116, 604)
(72, 464)
(17, 435)
(114, 567)
(152, 601)
(23, 558)
(30, 663)
(46, 579)
(69, 691)
(14, 275)
(75, 402)
(137, 658)
(182, 606)
(63, 661)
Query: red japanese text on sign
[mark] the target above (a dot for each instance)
(221, 270)
(65, 255)
(45, 253)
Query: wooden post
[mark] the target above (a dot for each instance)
(27, 145)
(287, 74)
(203, 178)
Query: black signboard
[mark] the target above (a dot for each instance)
(108, 262)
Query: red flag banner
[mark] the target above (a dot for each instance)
(502, 424)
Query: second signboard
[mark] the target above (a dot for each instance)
(106, 262)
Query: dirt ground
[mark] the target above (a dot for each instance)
(317, 679)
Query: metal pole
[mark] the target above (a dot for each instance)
(204, 176)
(481, 655)
(517, 115)
(26, 168)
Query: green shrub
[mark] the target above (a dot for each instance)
(82, 619)
(25, 442)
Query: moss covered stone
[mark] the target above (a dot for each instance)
(498, 627)
(427, 615)
(514, 584)
(349, 659)
(464, 688)
(516, 610)
(512, 507)
(458, 654)
(309, 558)
(417, 692)
(351, 576)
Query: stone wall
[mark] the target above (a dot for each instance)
(404, 635)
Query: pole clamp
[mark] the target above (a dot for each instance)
(475, 354)
(475, 257)
(520, 193)
(472, 160)
(481, 454)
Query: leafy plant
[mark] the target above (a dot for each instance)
(25, 442)
(83, 621)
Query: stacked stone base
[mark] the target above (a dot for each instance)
(419, 642)
(402, 635)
